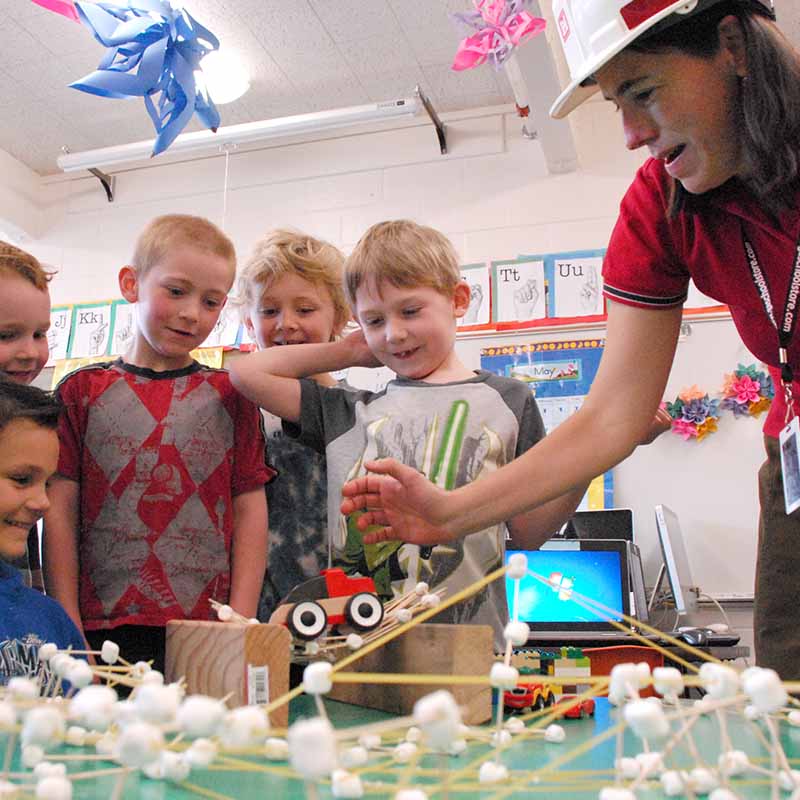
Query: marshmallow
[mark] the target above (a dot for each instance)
(46, 769)
(317, 677)
(517, 633)
(646, 720)
(765, 689)
(411, 794)
(616, 793)
(32, 754)
(8, 715)
(457, 747)
(106, 745)
(44, 726)
(673, 783)
(733, 762)
(109, 653)
(79, 674)
(140, 669)
(719, 681)
(346, 784)
(224, 613)
(154, 677)
(624, 681)
(199, 715)
(75, 736)
(413, 734)
(355, 756)
(502, 676)
(502, 740)
(667, 681)
(125, 713)
(312, 648)
(555, 734)
(702, 780)
(404, 752)
(245, 726)
(723, 794)
(430, 600)
(789, 781)
(421, 589)
(439, 717)
(54, 788)
(276, 749)
(93, 707)
(47, 651)
(651, 763)
(170, 766)
(402, 615)
(354, 641)
(628, 768)
(517, 566)
(140, 744)
(370, 741)
(492, 772)
(156, 703)
(312, 748)
(22, 689)
(514, 725)
(201, 753)
(794, 718)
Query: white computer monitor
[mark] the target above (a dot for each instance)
(676, 562)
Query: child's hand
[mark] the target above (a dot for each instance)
(360, 354)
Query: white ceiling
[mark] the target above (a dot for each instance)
(303, 55)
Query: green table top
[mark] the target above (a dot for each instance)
(456, 777)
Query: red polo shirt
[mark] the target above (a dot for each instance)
(651, 257)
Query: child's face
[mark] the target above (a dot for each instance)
(24, 320)
(179, 301)
(410, 330)
(292, 310)
(28, 459)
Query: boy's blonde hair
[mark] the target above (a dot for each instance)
(288, 252)
(175, 230)
(13, 260)
(406, 255)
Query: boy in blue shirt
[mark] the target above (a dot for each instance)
(28, 459)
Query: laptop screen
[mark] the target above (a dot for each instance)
(595, 569)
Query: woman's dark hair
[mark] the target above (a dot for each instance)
(20, 401)
(769, 97)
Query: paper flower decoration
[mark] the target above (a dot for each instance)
(500, 25)
(64, 7)
(747, 391)
(694, 414)
(154, 50)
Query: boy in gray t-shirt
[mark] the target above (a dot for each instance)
(451, 423)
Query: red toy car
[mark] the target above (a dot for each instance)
(528, 695)
(574, 709)
(333, 598)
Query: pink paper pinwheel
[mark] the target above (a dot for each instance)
(501, 26)
(747, 390)
(64, 7)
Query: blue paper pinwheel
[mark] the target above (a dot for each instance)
(153, 49)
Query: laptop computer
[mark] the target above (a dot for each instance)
(595, 568)
(606, 523)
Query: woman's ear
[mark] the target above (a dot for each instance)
(732, 40)
(461, 298)
(129, 283)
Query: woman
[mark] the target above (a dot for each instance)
(712, 89)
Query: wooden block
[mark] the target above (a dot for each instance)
(428, 649)
(220, 658)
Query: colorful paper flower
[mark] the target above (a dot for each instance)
(684, 428)
(747, 392)
(500, 25)
(694, 414)
(692, 393)
(707, 426)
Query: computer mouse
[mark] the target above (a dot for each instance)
(696, 637)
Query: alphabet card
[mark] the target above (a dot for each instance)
(91, 330)
(518, 290)
(123, 326)
(577, 286)
(58, 333)
(478, 279)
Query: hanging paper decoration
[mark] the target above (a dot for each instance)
(694, 414)
(500, 25)
(64, 7)
(747, 391)
(154, 49)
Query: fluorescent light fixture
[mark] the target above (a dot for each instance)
(246, 133)
(224, 76)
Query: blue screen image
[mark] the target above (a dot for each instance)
(596, 574)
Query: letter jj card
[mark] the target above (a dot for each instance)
(790, 464)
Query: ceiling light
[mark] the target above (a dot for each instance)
(224, 76)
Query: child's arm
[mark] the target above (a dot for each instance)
(269, 377)
(249, 550)
(531, 529)
(60, 546)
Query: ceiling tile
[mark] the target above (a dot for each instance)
(354, 20)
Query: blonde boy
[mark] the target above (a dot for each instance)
(452, 423)
(159, 506)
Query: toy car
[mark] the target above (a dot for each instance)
(572, 709)
(528, 695)
(332, 598)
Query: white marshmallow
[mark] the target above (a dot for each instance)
(47, 651)
(140, 669)
(794, 718)
(44, 726)
(646, 720)
(517, 566)
(370, 741)
(502, 740)
(245, 726)
(276, 749)
(254, 621)
(723, 794)
(125, 713)
(174, 766)
(733, 762)
(79, 674)
(439, 717)
(789, 781)
(651, 764)
(502, 676)
(45, 769)
(667, 681)
(154, 678)
(623, 682)
(199, 715)
(355, 756)
(616, 793)
(93, 707)
(402, 615)
(76, 736)
(109, 653)
(413, 734)
(312, 648)
(765, 689)
(492, 772)
(555, 734)
(140, 744)
(411, 794)
(517, 633)
(430, 600)
(318, 677)
(8, 715)
(457, 747)
(156, 703)
(312, 748)
(201, 753)
(673, 783)
(54, 788)
(346, 784)
(514, 725)
(354, 641)
(106, 745)
(224, 613)
(404, 752)
(628, 768)
(702, 780)
(22, 689)
(421, 589)
(32, 754)
(719, 681)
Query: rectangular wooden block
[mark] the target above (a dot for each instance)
(249, 662)
(428, 649)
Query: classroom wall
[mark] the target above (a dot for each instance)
(493, 196)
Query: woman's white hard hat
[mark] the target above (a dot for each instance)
(592, 32)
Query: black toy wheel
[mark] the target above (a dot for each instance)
(307, 620)
(539, 703)
(549, 700)
(364, 611)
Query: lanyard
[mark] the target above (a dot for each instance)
(788, 322)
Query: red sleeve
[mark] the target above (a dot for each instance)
(71, 426)
(250, 469)
(641, 267)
